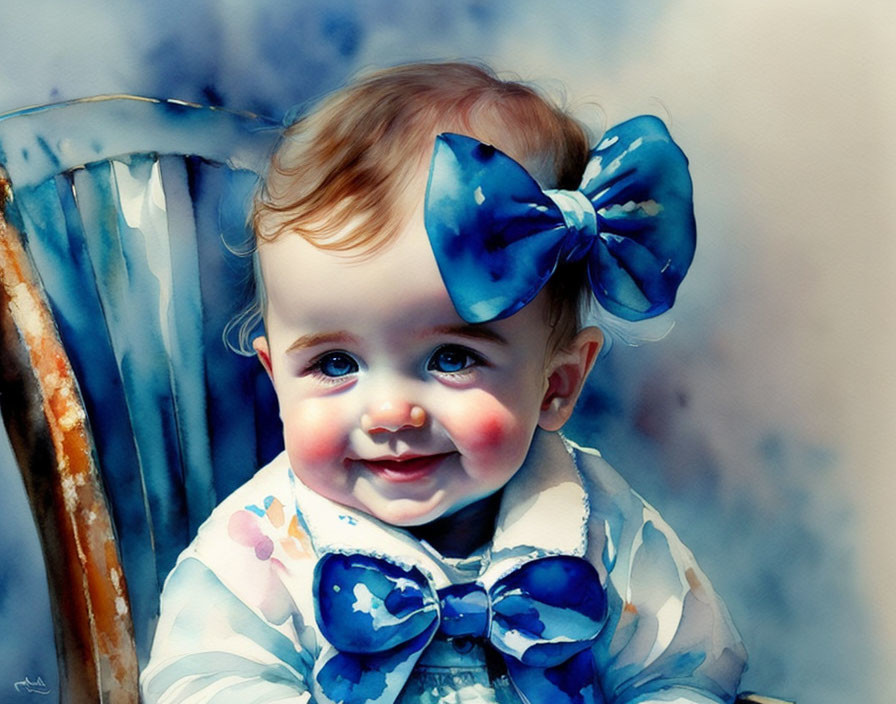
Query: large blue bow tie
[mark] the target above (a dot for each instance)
(498, 238)
(542, 617)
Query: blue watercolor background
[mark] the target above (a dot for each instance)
(761, 426)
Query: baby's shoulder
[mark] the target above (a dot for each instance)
(607, 490)
(621, 511)
(597, 473)
(258, 519)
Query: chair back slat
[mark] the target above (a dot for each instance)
(240, 435)
(186, 352)
(130, 294)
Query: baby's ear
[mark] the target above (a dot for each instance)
(260, 345)
(566, 374)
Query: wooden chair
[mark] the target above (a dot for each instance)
(128, 416)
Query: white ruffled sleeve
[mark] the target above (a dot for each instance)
(668, 637)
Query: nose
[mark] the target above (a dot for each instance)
(392, 415)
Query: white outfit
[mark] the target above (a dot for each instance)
(238, 621)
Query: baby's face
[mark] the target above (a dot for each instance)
(391, 403)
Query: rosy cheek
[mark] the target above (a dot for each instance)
(314, 437)
(488, 429)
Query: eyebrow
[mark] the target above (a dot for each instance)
(321, 338)
(476, 332)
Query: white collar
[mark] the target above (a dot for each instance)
(544, 511)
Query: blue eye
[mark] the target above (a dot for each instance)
(336, 364)
(451, 359)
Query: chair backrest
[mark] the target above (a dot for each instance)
(122, 217)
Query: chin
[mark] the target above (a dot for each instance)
(405, 513)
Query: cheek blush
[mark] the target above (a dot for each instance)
(313, 442)
(491, 431)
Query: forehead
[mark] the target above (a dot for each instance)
(309, 287)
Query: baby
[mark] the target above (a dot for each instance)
(428, 239)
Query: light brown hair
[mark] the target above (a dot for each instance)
(338, 174)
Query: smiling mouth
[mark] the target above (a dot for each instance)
(408, 469)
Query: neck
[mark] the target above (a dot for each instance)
(462, 532)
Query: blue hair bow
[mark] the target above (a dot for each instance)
(498, 238)
(542, 617)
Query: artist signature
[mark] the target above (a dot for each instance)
(33, 686)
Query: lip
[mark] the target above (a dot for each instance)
(410, 468)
